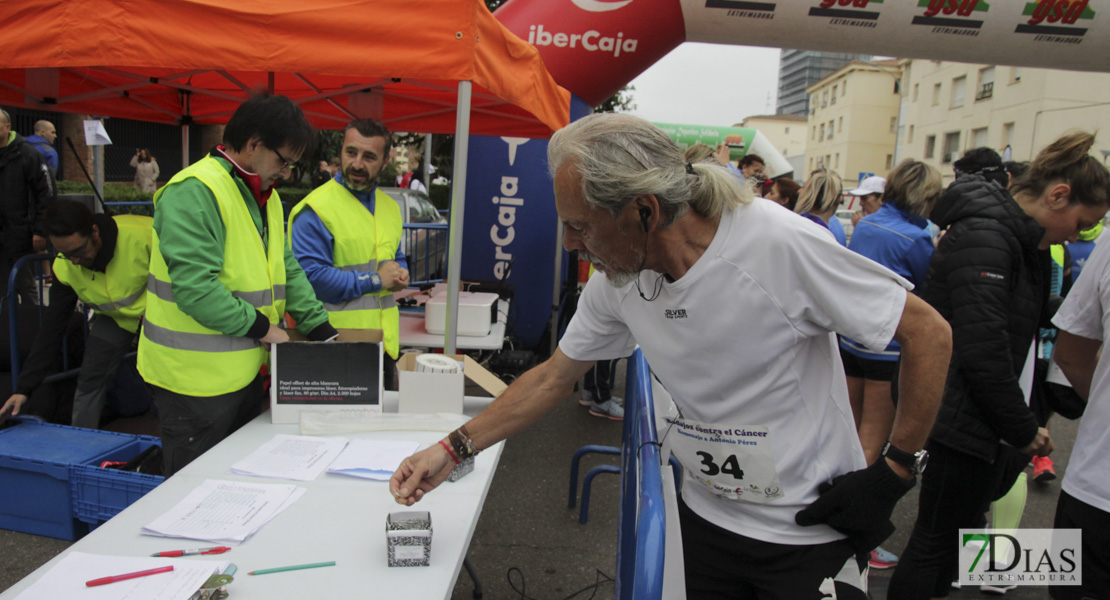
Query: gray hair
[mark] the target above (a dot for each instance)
(4, 116)
(620, 156)
(822, 190)
(913, 187)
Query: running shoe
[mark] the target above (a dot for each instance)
(1043, 469)
(997, 589)
(610, 409)
(881, 559)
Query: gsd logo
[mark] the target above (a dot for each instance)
(847, 12)
(744, 8)
(951, 16)
(1054, 20)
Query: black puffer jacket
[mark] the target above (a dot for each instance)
(26, 188)
(989, 280)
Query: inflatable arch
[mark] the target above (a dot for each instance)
(595, 47)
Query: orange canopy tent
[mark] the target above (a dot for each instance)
(408, 63)
(194, 61)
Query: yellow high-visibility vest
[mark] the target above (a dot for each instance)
(120, 291)
(178, 353)
(362, 242)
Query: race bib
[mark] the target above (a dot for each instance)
(736, 463)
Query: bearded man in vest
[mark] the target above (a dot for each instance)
(102, 261)
(346, 235)
(222, 278)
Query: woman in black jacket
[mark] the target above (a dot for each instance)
(989, 277)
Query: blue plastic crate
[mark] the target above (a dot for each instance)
(35, 461)
(100, 494)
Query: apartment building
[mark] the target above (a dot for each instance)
(853, 120)
(951, 107)
(786, 132)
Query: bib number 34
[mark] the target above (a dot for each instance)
(730, 466)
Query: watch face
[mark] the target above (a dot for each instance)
(922, 461)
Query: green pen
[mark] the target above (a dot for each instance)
(330, 563)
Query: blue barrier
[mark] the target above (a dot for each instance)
(13, 306)
(643, 523)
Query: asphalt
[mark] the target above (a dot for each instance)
(528, 544)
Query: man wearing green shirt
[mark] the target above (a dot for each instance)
(222, 278)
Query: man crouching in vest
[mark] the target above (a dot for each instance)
(347, 237)
(102, 261)
(222, 278)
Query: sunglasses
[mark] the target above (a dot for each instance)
(79, 252)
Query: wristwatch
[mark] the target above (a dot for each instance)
(376, 281)
(916, 461)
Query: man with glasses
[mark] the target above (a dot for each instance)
(221, 280)
(102, 261)
(347, 237)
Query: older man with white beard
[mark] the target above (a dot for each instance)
(735, 302)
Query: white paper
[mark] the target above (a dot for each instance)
(95, 134)
(372, 459)
(67, 578)
(296, 457)
(224, 511)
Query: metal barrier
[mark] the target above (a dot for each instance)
(643, 523)
(13, 305)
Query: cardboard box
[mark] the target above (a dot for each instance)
(438, 392)
(340, 375)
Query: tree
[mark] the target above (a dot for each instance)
(622, 101)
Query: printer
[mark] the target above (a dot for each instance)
(477, 313)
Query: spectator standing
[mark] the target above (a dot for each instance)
(870, 194)
(43, 141)
(26, 190)
(146, 170)
(346, 235)
(104, 262)
(222, 279)
(989, 278)
(818, 200)
(783, 190)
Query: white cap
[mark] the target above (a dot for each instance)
(871, 185)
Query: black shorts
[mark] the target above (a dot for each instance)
(1076, 514)
(722, 565)
(866, 368)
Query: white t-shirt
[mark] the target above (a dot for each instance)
(744, 340)
(1086, 313)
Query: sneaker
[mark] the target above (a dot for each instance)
(1043, 469)
(587, 398)
(881, 559)
(610, 409)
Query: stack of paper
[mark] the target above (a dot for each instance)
(372, 459)
(224, 511)
(67, 578)
(296, 457)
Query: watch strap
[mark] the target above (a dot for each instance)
(899, 456)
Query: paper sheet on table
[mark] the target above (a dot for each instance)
(67, 578)
(372, 459)
(296, 457)
(224, 511)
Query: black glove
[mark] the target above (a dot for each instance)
(859, 504)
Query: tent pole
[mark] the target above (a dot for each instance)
(556, 289)
(184, 146)
(458, 201)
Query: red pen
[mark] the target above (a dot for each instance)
(212, 550)
(126, 576)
